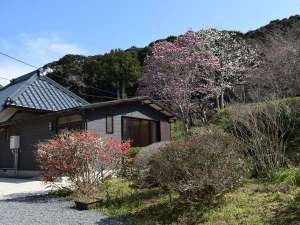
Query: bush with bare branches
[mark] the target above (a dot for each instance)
(142, 172)
(263, 128)
(200, 167)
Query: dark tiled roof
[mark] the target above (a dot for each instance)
(39, 93)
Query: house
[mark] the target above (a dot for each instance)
(35, 108)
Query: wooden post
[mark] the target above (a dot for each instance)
(16, 160)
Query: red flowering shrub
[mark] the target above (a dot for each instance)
(84, 157)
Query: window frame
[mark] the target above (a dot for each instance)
(68, 122)
(112, 124)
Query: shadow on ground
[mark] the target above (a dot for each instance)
(159, 211)
(107, 221)
(166, 213)
(288, 215)
(34, 198)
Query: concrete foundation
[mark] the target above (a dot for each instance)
(8, 172)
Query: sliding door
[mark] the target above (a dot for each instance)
(140, 131)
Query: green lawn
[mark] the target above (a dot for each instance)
(257, 202)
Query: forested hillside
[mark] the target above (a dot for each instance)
(115, 74)
(279, 43)
(100, 77)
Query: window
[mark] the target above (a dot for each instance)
(109, 124)
(71, 122)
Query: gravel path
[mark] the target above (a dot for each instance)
(44, 210)
(20, 187)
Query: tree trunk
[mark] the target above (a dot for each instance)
(218, 103)
(185, 121)
(222, 100)
(118, 90)
(186, 127)
(123, 90)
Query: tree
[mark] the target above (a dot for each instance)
(122, 69)
(236, 57)
(68, 72)
(177, 71)
(100, 77)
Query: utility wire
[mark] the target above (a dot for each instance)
(28, 64)
(105, 91)
(18, 60)
(3, 78)
(97, 96)
(108, 92)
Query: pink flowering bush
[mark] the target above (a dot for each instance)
(86, 158)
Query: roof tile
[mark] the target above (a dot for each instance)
(39, 92)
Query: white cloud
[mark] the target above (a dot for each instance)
(8, 72)
(50, 47)
(36, 50)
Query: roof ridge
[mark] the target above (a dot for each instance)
(39, 92)
(20, 79)
(23, 77)
(65, 90)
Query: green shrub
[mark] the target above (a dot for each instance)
(177, 130)
(133, 151)
(127, 165)
(200, 167)
(116, 189)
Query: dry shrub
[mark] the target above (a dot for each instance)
(142, 172)
(200, 167)
(263, 128)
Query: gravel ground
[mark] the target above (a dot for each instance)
(45, 210)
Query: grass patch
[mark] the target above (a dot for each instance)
(60, 193)
(288, 176)
(258, 202)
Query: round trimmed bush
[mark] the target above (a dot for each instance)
(200, 167)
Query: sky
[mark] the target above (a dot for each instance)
(40, 32)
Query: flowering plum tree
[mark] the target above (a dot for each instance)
(176, 72)
(205, 63)
(236, 58)
(84, 157)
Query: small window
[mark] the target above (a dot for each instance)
(109, 124)
(50, 126)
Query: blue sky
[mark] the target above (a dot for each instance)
(42, 31)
